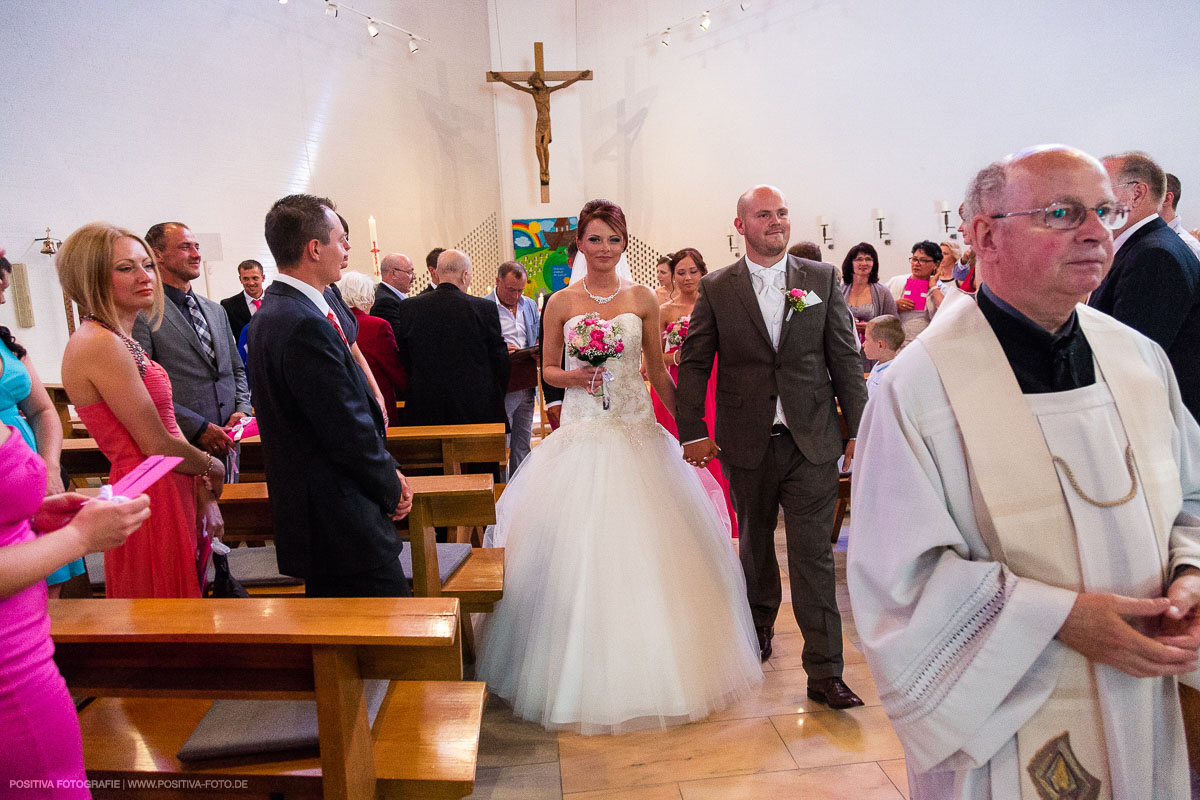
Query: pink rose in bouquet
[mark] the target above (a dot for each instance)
(594, 341)
(676, 332)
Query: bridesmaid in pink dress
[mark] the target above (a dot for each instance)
(39, 534)
(124, 399)
(687, 268)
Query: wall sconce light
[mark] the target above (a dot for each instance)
(880, 216)
(49, 246)
(733, 242)
(826, 239)
(943, 208)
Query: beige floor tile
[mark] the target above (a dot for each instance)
(506, 740)
(524, 782)
(897, 772)
(858, 781)
(689, 752)
(663, 791)
(785, 692)
(825, 738)
(788, 648)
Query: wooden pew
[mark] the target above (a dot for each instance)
(184, 653)
(443, 448)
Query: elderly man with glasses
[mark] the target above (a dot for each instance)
(1154, 284)
(1024, 560)
(396, 277)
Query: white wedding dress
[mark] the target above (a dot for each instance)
(624, 604)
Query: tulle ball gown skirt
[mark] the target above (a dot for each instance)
(624, 604)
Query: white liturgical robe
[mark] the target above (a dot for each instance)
(961, 645)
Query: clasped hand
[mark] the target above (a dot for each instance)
(698, 454)
(590, 378)
(1097, 628)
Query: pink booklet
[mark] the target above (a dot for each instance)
(143, 476)
(915, 289)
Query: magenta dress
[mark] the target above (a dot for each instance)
(39, 732)
(711, 476)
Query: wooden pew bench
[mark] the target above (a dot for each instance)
(156, 665)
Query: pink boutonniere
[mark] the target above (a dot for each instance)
(796, 300)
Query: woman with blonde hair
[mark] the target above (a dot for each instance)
(124, 399)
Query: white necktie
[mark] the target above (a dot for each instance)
(769, 288)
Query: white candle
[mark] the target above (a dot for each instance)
(943, 206)
(878, 213)
(371, 228)
(821, 220)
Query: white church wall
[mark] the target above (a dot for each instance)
(206, 112)
(862, 104)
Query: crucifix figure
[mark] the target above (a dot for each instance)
(541, 100)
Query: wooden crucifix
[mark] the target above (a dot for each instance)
(536, 86)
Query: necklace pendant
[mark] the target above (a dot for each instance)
(602, 300)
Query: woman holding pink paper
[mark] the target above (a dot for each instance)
(39, 534)
(124, 399)
(912, 291)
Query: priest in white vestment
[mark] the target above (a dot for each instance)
(1026, 517)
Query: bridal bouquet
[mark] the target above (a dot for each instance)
(594, 341)
(676, 332)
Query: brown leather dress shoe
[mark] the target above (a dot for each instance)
(765, 634)
(834, 693)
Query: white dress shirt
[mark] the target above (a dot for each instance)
(769, 283)
(399, 293)
(250, 302)
(1191, 241)
(1124, 237)
(313, 295)
(510, 326)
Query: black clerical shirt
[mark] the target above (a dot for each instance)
(1042, 361)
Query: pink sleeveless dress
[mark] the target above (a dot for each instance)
(161, 558)
(41, 755)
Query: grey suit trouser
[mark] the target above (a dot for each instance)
(808, 493)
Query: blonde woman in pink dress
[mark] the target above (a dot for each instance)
(124, 399)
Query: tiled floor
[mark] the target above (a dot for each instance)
(777, 743)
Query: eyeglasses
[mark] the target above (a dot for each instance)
(1069, 216)
(863, 260)
(915, 260)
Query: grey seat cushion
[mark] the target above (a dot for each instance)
(257, 566)
(253, 727)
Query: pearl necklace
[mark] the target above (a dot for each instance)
(603, 300)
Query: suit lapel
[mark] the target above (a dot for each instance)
(744, 290)
(795, 280)
(176, 318)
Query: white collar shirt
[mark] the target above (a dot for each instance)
(399, 293)
(510, 325)
(1191, 241)
(312, 294)
(1124, 237)
(769, 283)
(250, 302)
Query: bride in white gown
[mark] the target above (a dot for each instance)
(624, 604)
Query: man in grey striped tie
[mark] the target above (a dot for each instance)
(195, 345)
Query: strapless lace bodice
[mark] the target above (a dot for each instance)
(630, 401)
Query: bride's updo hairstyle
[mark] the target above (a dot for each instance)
(607, 212)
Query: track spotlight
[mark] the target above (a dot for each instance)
(412, 44)
(372, 28)
(744, 5)
(705, 21)
(331, 9)
(283, 2)
(665, 41)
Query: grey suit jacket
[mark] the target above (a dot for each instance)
(203, 393)
(817, 361)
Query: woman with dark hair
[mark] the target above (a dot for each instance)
(624, 605)
(912, 291)
(865, 296)
(124, 398)
(665, 290)
(687, 268)
(26, 405)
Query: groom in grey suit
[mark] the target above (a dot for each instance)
(195, 345)
(778, 373)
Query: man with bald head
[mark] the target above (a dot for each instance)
(1154, 283)
(783, 365)
(1026, 534)
(396, 276)
(452, 348)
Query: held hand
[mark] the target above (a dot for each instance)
(554, 415)
(861, 327)
(904, 304)
(406, 498)
(103, 524)
(669, 359)
(379, 401)
(512, 348)
(589, 378)
(1180, 625)
(698, 454)
(233, 420)
(208, 514)
(1096, 629)
(57, 510)
(848, 456)
(215, 441)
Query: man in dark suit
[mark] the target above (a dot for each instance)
(335, 490)
(242, 305)
(451, 346)
(396, 277)
(1154, 284)
(431, 262)
(196, 347)
(779, 371)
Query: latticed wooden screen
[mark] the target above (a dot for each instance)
(643, 262)
(482, 246)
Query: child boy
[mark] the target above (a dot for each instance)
(885, 336)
